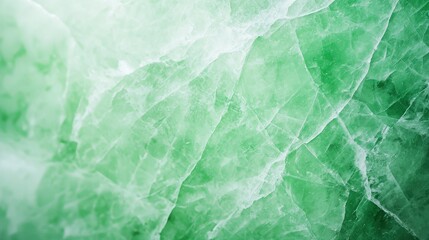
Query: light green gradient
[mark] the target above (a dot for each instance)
(270, 119)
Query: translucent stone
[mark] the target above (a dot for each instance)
(270, 119)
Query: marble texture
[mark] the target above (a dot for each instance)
(230, 119)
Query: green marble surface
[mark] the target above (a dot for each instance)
(202, 119)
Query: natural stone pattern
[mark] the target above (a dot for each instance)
(271, 119)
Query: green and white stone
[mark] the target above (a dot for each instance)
(229, 119)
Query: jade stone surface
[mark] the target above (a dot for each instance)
(214, 119)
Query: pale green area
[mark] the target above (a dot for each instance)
(238, 119)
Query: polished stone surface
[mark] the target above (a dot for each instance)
(229, 119)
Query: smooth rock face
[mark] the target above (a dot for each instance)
(230, 119)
